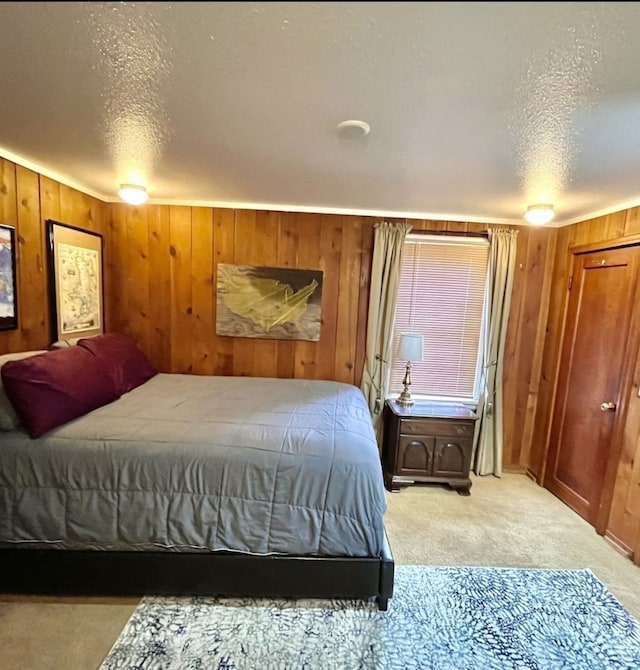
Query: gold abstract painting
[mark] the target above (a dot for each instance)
(266, 302)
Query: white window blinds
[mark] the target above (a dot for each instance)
(441, 296)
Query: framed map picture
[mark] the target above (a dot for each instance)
(267, 302)
(8, 288)
(75, 281)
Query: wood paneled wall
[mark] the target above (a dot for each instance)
(161, 279)
(160, 266)
(525, 335)
(162, 282)
(27, 200)
(624, 521)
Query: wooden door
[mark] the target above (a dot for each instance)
(590, 381)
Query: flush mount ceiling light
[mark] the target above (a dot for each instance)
(133, 194)
(353, 129)
(538, 215)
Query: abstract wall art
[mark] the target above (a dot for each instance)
(268, 302)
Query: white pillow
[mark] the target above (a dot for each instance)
(8, 417)
(62, 344)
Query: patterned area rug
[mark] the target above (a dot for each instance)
(439, 617)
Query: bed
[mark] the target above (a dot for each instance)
(187, 484)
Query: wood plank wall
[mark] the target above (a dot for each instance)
(27, 200)
(624, 521)
(162, 279)
(160, 287)
(525, 334)
(160, 265)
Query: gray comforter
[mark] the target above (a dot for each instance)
(189, 462)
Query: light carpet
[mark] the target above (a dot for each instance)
(439, 617)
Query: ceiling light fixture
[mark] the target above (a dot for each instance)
(353, 129)
(133, 194)
(540, 214)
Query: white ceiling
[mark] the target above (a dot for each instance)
(476, 109)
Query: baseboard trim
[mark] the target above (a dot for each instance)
(515, 470)
(618, 545)
(532, 475)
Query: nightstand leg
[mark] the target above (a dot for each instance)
(394, 483)
(462, 489)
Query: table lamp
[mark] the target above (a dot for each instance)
(410, 349)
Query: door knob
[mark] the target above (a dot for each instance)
(606, 406)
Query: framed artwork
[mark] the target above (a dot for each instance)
(8, 279)
(75, 281)
(266, 302)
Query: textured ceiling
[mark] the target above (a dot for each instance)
(476, 109)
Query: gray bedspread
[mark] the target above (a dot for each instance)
(188, 462)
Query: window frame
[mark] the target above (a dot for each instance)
(450, 239)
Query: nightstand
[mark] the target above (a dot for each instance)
(427, 442)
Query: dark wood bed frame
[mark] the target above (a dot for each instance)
(136, 573)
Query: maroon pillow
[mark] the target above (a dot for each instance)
(55, 387)
(126, 362)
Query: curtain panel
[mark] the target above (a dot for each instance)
(388, 246)
(487, 457)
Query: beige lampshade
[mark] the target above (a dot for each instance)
(410, 348)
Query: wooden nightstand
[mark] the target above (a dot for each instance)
(427, 442)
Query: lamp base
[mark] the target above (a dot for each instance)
(404, 399)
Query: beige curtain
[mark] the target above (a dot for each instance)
(502, 259)
(388, 245)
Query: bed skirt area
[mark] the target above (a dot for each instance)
(136, 573)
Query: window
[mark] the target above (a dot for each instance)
(441, 295)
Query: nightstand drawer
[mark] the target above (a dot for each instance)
(435, 427)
